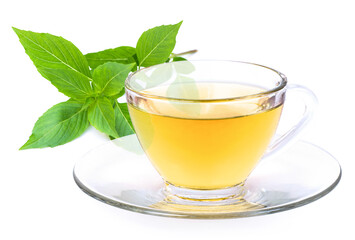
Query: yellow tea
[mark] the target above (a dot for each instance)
(205, 145)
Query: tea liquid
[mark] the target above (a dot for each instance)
(205, 145)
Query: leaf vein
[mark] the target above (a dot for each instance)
(69, 83)
(106, 120)
(55, 56)
(124, 116)
(172, 30)
(61, 122)
(110, 80)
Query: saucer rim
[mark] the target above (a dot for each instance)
(220, 215)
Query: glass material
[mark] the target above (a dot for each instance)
(118, 173)
(204, 125)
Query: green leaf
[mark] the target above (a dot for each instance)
(122, 54)
(59, 61)
(68, 82)
(60, 124)
(178, 59)
(159, 75)
(53, 52)
(120, 94)
(123, 121)
(183, 67)
(155, 45)
(102, 116)
(109, 78)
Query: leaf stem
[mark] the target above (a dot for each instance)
(183, 53)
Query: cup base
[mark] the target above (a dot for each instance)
(224, 196)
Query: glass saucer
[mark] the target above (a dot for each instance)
(118, 173)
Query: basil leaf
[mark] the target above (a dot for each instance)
(68, 82)
(109, 78)
(59, 61)
(120, 94)
(178, 59)
(123, 121)
(60, 124)
(102, 116)
(155, 45)
(183, 67)
(53, 52)
(122, 54)
(160, 75)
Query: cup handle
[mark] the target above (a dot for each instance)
(310, 102)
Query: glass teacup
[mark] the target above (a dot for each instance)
(205, 125)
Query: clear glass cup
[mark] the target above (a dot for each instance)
(205, 125)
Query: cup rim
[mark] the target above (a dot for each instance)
(282, 84)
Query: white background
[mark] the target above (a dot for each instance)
(312, 42)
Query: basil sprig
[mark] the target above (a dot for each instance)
(93, 82)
